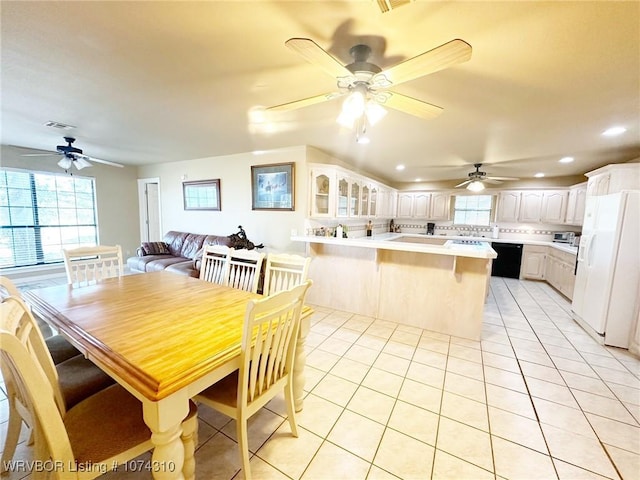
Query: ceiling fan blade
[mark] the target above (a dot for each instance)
(501, 178)
(313, 53)
(40, 154)
(491, 180)
(305, 102)
(463, 183)
(88, 159)
(409, 105)
(444, 56)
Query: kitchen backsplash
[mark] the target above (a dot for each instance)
(512, 231)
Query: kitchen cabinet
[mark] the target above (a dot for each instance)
(554, 206)
(364, 201)
(530, 206)
(405, 204)
(354, 202)
(575, 204)
(613, 178)
(323, 192)
(342, 206)
(421, 204)
(424, 205)
(373, 202)
(508, 206)
(543, 206)
(560, 271)
(440, 206)
(533, 262)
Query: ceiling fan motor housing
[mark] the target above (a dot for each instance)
(68, 149)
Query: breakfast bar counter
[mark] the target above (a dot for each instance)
(426, 282)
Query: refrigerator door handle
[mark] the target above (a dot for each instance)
(582, 249)
(587, 254)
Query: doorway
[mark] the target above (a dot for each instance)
(150, 213)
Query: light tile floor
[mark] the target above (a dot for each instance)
(536, 398)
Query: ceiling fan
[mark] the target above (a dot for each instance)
(72, 156)
(366, 84)
(477, 179)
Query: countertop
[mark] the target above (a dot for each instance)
(391, 241)
(409, 242)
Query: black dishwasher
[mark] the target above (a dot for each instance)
(507, 264)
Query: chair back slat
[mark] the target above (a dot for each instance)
(244, 269)
(268, 342)
(35, 395)
(215, 264)
(89, 265)
(283, 271)
(16, 319)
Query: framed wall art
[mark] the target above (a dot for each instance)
(202, 195)
(272, 186)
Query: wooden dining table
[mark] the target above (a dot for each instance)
(164, 337)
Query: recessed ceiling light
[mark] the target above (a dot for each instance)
(400, 167)
(613, 131)
(566, 160)
(539, 175)
(418, 179)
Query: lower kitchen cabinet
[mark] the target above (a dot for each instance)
(533, 262)
(560, 271)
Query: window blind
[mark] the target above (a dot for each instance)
(42, 213)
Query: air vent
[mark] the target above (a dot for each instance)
(58, 125)
(386, 5)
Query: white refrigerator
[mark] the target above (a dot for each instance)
(607, 288)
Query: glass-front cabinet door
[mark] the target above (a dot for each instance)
(322, 194)
(373, 202)
(354, 203)
(342, 208)
(364, 204)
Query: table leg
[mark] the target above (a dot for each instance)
(299, 363)
(164, 419)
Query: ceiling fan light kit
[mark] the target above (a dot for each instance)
(365, 83)
(475, 186)
(72, 156)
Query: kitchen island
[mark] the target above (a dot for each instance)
(426, 282)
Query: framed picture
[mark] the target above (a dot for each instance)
(202, 195)
(272, 187)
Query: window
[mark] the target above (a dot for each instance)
(472, 210)
(41, 213)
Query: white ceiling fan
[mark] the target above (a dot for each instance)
(366, 84)
(73, 156)
(477, 179)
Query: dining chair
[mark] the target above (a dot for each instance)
(97, 434)
(283, 271)
(215, 264)
(88, 265)
(59, 347)
(244, 269)
(72, 381)
(266, 364)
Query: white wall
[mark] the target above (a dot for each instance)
(272, 228)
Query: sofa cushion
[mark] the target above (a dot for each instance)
(155, 248)
(164, 261)
(191, 245)
(184, 268)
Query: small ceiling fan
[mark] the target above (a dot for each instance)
(477, 179)
(367, 84)
(72, 156)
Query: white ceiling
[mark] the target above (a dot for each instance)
(148, 82)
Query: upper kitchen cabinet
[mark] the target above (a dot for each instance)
(424, 205)
(613, 178)
(532, 206)
(440, 206)
(364, 200)
(554, 206)
(575, 204)
(323, 192)
(508, 206)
